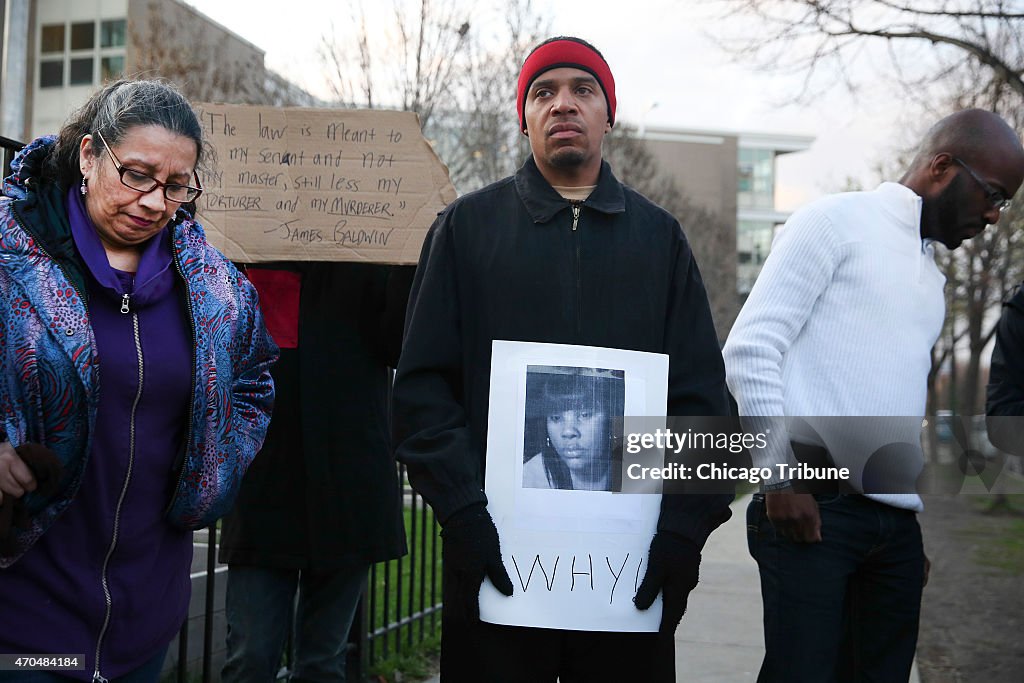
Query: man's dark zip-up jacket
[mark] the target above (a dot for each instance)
(1004, 405)
(507, 262)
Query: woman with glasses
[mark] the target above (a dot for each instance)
(134, 385)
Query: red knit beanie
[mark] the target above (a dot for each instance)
(565, 52)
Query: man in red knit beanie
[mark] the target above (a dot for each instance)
(563, 253)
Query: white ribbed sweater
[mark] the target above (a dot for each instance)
(843, 316)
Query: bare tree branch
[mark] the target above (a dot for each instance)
(981, 14)
(455, 63)
(942, 56)
(806, 36)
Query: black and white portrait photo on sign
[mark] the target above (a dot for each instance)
(573, 432)
(574, 545)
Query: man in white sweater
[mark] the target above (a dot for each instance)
(840, 323)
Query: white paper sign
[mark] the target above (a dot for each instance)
(575, 549)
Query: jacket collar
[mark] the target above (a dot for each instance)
(154, 278)
(903, 204)
(42, 205)
(543, 202)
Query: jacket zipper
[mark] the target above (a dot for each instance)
(576, 210)
(96, 676)
(192, 393)
(922, 261)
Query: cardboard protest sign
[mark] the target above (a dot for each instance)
(573, 545)
(302, 184)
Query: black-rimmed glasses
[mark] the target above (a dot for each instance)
(140, 182)
(996, 199)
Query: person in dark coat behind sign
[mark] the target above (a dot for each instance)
(564, 253)
(321, 501)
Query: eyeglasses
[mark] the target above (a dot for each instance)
(996, 199)
(140, 182)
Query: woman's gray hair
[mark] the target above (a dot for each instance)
(120, 106)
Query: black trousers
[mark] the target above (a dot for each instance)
(845, 610)
(479, 652)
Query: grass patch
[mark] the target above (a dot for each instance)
(1004, 549)
(414, 664)
(998, 504)
(961, 476)
(996, 533)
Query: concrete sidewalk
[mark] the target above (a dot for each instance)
(721, 638)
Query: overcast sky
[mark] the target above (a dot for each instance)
(659, 53)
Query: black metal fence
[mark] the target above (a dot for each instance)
(400, 609)
(9, 148)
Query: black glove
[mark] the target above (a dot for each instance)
(471, 551)
(673, 565)
(47, 470)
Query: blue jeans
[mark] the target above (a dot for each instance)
(147, 673)
(845, 609)
(260, 604)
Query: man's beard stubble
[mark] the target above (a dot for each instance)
(944, 211)
(568, 157)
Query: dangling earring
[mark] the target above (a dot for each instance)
(84, 189)
(548, 439)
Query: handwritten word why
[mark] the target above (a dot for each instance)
(597, 574)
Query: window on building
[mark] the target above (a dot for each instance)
(81, 53)
(753, 242)
(83, 50)
(83, 35)
(52, 40)
(756, 179)
(111, 68)
(81, 71)
(51, 73)
(112, 33)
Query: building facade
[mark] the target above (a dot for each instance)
(757, 219)
(732, 176)
(57, 52)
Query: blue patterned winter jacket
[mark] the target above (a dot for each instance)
(49, 371)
